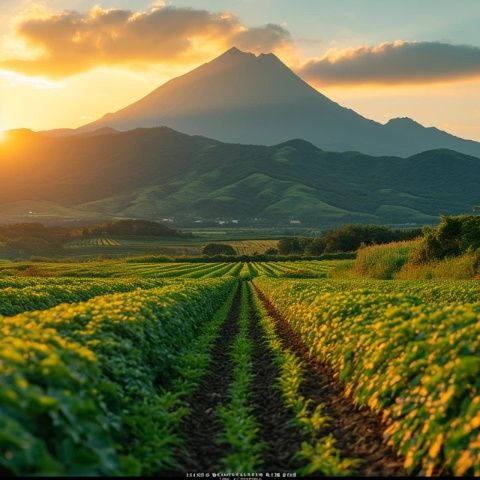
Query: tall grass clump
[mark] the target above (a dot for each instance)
(383, 261)
(463, 267)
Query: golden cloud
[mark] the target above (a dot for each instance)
(395, 63)
(72, 42)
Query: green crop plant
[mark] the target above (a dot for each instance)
(318, 451)
(73, 377)
(239, 424)
(417, 364)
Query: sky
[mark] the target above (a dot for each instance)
(65, 63)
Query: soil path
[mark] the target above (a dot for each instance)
(281, 437)
(201, 427)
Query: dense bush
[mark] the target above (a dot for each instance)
(454, 236)
(211, 249)
(292, 245)
(462, 267)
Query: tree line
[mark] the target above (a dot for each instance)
(38, 239)
(347, 238)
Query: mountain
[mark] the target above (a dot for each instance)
(67, 132)
(156, 173)
(242, 98)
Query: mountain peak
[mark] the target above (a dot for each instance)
(235, 51)
(402, 121)
(233, 54)
(298, 144)
(241, 97)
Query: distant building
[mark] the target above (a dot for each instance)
(295, 222)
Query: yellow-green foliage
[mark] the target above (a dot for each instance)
(383, 261)
(320, 451)
(79, 383)
(414, 361)
(458, 268)
(342, 269)
(43, 294)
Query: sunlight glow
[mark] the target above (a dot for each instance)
(37, 83)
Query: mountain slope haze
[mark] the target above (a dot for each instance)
(243, 98)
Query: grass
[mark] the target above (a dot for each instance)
(383, 261)
(463, 267)
(394, 261)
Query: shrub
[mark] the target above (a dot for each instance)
(454, 236)
(212, 249)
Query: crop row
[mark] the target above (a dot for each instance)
(306, 269)
(417, 291)
(45, 295)
(122, 269)
(94, 242)
(240, 429)
(116, 268)
(318, 450)
(86, 388)
(418, 364)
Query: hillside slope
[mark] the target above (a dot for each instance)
(155, 173)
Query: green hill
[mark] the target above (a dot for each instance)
(158, 172)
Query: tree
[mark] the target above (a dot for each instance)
(212, 249)
(315, 247)
(453, 236)
(290, 245)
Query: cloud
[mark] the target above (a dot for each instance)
(395, 63)
(71, 42)
(263, 39)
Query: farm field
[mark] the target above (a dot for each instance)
(127, 367)
(89, 242)
(130, 245)
(251, 247)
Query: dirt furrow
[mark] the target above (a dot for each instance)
(357, 430)
(201, 427)
(277, 431)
